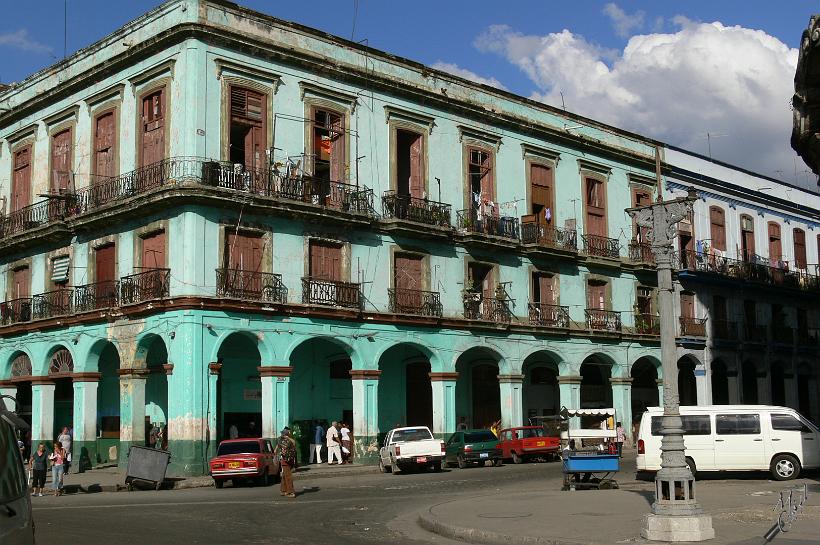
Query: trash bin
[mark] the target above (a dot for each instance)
(147, 464)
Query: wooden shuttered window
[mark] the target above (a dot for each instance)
(243, 251)
(21, 182)
(687, 305)
(105, 263)
(105, 139)
(152, 134)
(799, 248)
(596, 295)
(542, 192)
(153, 251)
(407, 271)
(325, 261)
(543, 289)
(329, 148)
(747, 237)
(410, 163)
(717, 222)
(61, 152)
(595, 203)
(480, 171)
(640, 197)
(249, 127)
(481, 279)
(20, 283)
(775, 246)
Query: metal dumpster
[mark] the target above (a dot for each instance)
(147, 465)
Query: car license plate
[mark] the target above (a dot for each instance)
(421, 459)
(234, 465)
(541, 443)
(485, 454)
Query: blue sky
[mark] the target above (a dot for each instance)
(522, 46)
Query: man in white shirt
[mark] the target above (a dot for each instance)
(65, 440)
(332, 441)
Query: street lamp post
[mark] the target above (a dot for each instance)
(676, 514)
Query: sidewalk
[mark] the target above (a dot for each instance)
(741, 512)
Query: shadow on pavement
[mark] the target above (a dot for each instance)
(648, 495)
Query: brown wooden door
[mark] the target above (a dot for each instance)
(153, 251)
(21, 184)
(104, 141)
(21, 283)
(775, 247)
(596, 295)
(800, 248)
(407, 279)
(105, 263)
(544, 286)
(243, 251)
(687, 305)
(595, 208)
(717, 220)
(325, 261)
(481, 279)
(541, 192)
(61, 151)
(153, 128)
(480, 171)
(416, 167)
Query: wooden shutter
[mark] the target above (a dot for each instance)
(481, 278)
(596, 295)
(21, 190)
(546, 289)
(325, 261)
(153, 251)
(717, 220)
(747, 237)
(337, 147)
(640, 198)
(775, 248)
(687, 305)
(247, 105)
(153, 128)
(21, 283)
(595, 207)
(799, 248)
(243, 251)
(541, 190)
(487, 180)
(61, 151)
(416, 167)
(407, 272)
(104, 140)
(104, 261)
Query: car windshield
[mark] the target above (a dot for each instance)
(417, 434)
(239, 447)
(479, 436)
(535, 432)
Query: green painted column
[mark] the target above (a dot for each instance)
(42, 411)
(622, 401)
(275, 399)
(365, 415)
(84, 448)
(569, 391)
(213, 414)
(511, 402)
(660, 391)
(444, 403)
(132, 411)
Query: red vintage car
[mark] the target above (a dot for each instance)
(527, 442)
(244, 459)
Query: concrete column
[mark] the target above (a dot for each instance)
(444, 403)
(511, 400)
(704, 393)
(660, 391)
(213, 414)
(9, 389)
(569, 393)
(42, 411)
(84, 447)
(132, 410)
(275, 399)
(622, 401)
(365, 414)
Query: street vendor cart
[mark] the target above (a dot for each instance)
(588, 457)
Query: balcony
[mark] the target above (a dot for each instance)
(782, 334)
(641, 252)
(251, 286)
(487, 309)
(145, 286)
(753, 333)
(316, 291)
(51, 304)
(757, 270)
(603, 320)
(647, 324)
(548, 236)
(597, 246)
(414, 302)
(405, 207)
(724, 330)
(15, 311)
(692, 327)
(98, 296)
(470, 221)
(32, 216)
(544, 315)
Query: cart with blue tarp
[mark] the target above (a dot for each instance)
(590, 465)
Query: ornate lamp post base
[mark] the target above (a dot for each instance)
(677, 528)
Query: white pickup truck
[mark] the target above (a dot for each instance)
(412, 447)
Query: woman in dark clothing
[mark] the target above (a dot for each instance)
(39, 465)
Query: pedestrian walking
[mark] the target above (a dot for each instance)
(346, 443)
(57, 458)
(332, 441)
(233, 432)
(620, 435)
(317, 443)
(65, 440)
(38, 462)
(462, 424)
(286, 450)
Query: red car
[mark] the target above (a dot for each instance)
(527, 442)
(241, 459)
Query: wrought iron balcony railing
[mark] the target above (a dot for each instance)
(98, 296)
(472, 221)
(641, 252)
(251, 286)
(603, 320)
(414, 302)
(317, 291)
(488, 309)
(725, 330)
(405, 207)
(549, 236)
(692, 327)
(599, 246)
(647, 324)
(781, 334)
(145, 286)
(15, 311)
(543, 314)
(756, 269)
(51, 304)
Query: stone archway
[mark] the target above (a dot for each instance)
(687, 384)
(405, 390)
(478, 394)
(239, 387)
(540, 392)
(596, 390)
(645, 392)
(60, 370)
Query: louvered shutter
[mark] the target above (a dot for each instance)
(717, 222)
(21, 192)
(687, 305)
(546, 289)
(104, 258)
(416, 168)
(775, 248)
(104, 139)
(596, 210)
(800, 248)
(21, 283)
(337, 147)
(59, 269)
(61, 161)
(153, 128)
(153, 251)
(541, 186)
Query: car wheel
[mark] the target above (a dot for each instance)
(219, 483)
(498, 462)
(462, 463)
(481, 463)
(383, 468)
(437, 467)
(517, 459)
(785, 467)
(690, 463)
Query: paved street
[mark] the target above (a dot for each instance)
(366, 508)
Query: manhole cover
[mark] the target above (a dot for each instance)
(504, 515)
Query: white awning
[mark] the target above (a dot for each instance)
(590, 412)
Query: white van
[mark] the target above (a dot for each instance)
(736, 438)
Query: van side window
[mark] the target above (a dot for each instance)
(737, 424)
(786, 422)
(693, 424)
(12, 478)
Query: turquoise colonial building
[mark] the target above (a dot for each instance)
(215, 218)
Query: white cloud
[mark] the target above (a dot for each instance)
(622, 22)
(677, 86)
(467, 74)
(20, 39)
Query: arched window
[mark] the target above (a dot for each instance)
(61, 362)
(21, 366)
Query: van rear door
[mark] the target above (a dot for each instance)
(789, 434)
(739, 442)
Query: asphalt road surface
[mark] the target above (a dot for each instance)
(363, 508)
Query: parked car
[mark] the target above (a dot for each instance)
(526, 443)
(16, 522)
(472, 447)
(244, 459)
(411, 448)
(736, 438)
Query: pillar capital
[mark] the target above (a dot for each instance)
(42, 381)
(272, 370)
(620, 380)
(168, 368)
(215, 368)
(86, 377)
(569, 379)
(365, 374)
(439, 377)
(510, 378)
(134, 373)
